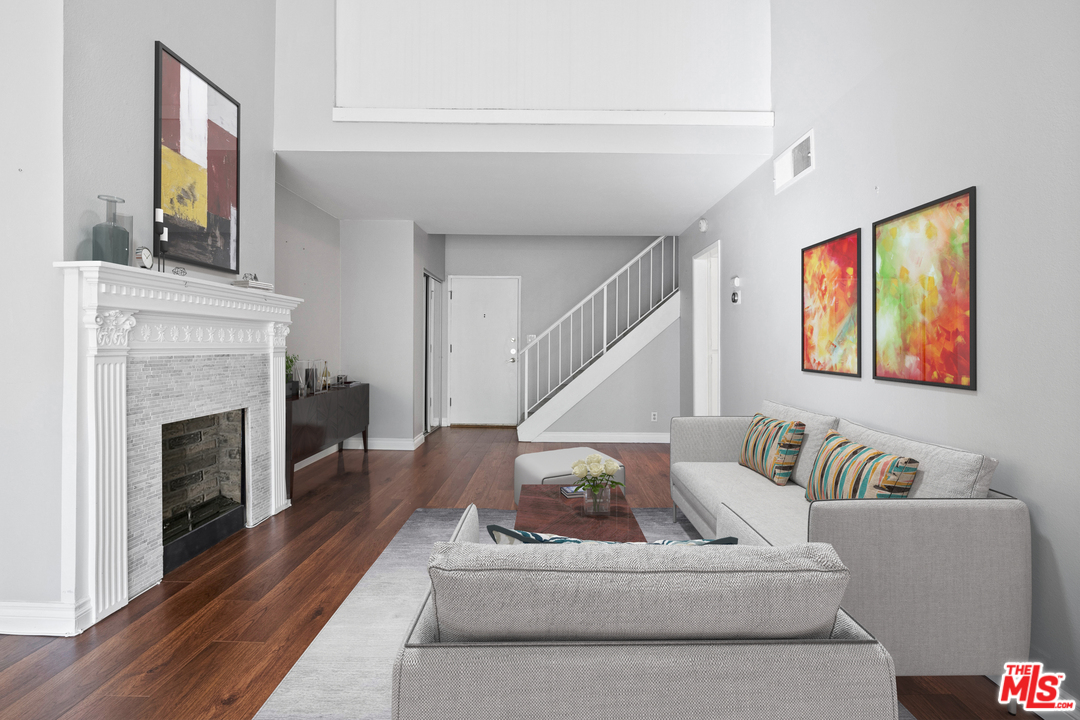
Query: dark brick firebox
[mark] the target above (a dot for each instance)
(202, 478)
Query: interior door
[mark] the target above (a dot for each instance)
(706, 330)
(433, 355)
(483, 350)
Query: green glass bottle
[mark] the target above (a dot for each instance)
(110, 240)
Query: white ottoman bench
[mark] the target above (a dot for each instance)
(552, 467)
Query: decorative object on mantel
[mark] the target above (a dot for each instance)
(830, 305)
(196, 166)
(252, 281)
(924, 294)
(179, 271)
(110, 241)
(596, 477)
(144, 258)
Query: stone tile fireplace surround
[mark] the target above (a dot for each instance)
(143, 349)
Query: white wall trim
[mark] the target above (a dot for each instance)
(629, 346)
(356, 443)
(602, 437)
(493, 116)
(316, 457)
(45, 618)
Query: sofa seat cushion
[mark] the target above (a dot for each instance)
(944, 472)
(779, 513)
(489, 593)
(814, 428)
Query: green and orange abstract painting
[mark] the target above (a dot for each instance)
(830, 300)
(924, 294)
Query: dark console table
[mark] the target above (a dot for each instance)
(317, 422)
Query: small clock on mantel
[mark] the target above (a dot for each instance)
(144, 258)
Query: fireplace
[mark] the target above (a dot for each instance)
(144, 350)
(202, 484)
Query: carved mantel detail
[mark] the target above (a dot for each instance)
(113, 327)
(281, 331)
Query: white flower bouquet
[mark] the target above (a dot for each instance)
(594, 473)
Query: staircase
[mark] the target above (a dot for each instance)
(598, 335)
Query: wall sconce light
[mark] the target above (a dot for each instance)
(736, 290)
(702, 225)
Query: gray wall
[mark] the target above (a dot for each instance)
(109, 110)
(31, 190)
(429, 255)
(377, 333)
(556, 272)
(648, 382)
(985, 94)
(308, 258)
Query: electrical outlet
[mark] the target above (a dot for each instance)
(653, 417)
(530, 338)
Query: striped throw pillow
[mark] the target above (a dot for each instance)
(771, 447)
(844, 469)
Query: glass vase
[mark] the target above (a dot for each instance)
(597, 502)
(111, 240)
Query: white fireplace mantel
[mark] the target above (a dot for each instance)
(113, 312)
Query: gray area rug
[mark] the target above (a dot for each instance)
(346, 671)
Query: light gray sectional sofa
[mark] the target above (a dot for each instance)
(633, 631)
(942, 579)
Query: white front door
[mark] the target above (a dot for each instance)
(483, 350)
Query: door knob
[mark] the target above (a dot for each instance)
(513, 359)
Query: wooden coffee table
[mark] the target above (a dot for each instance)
(543, 509)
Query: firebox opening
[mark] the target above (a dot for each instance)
(202, 483)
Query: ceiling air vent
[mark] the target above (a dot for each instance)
(794, 163)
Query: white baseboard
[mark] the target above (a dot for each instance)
(45, 618)
(356, 443)
(602, 437)
(315, 458)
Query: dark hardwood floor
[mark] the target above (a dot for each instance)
(218, 634)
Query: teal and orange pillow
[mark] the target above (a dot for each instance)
(845, 469)
(771, 447)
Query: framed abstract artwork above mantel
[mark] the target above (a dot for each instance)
(831, 311)
(924, 294)
(196, 166)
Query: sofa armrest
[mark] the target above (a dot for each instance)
(707, 439)
(944, 584)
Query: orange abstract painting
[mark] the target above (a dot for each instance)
(924, 294)
(830, 305)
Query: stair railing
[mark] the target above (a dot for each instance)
(596, 323)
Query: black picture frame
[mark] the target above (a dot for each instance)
(971, 339)
(857, 280)
(185, 243)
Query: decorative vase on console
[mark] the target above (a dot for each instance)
(596, 477)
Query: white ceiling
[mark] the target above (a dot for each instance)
(518, 193)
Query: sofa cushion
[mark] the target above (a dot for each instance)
(778, 512)
(845, 470)
(485, 593)
(943, 471)
(815, 427)
(771, 447)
